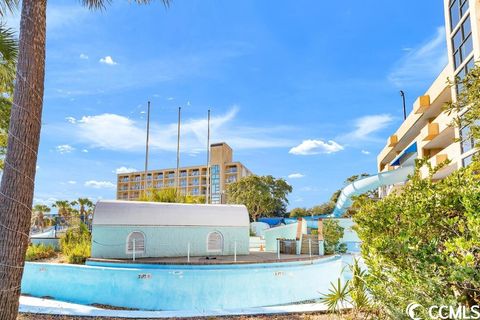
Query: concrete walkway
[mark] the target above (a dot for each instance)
(52, 307)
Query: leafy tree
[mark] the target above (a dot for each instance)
(469, 97)
(332, 233)
(324, 208)
(17, 183)
(262, 195)
(299, 212)
(423, 244)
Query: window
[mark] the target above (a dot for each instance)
(467, 161)
(215, 242)
(136, 242)
(462, 43)
(458, 8)
(467, 142)
(463, 72)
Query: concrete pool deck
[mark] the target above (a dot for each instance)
(253, 257)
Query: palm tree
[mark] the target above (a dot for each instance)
(65, 209)
(38, 215)
(16, 189)
(85, 206)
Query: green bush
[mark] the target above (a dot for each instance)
(76, 244)
(332, 233)
(39, 251)
(422, 245)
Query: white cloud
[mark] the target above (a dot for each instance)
(83, 56)
(64, 148)
(72, 182)
(420, 65)
(310, 147)
(120, 133)
(125, 170)
(84, 150)
(99, 184)
(367, 125)
(296, 176)
(366, 152)
(108, 60)
(71, 120)
(170, 98)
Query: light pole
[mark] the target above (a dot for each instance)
(146, 148)
(404, 107)
(178, 149)
(207, 196)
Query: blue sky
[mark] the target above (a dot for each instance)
(304, 90)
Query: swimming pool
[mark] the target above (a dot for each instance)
(183, 287)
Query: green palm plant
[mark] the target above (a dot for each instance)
(17, 183)
(337, 297)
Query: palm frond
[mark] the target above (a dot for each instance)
(102, 4)
(8, 59)
(8, 6)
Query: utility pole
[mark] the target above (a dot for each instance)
(207, 196)
(146, 148)
(178, 149)
(404, 106)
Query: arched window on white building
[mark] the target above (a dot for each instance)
(215, 242)
(136, 242)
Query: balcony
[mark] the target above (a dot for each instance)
(422, 104)
(392, 141)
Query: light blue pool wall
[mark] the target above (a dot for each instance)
(176, 287)
(171, 241)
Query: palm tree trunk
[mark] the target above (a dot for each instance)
(17, 186)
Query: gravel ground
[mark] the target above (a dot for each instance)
(313, 316)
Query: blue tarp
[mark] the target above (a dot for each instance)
(272, 222)
(404, 154)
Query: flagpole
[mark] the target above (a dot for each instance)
(178, 149)
(146, 148)
(207, 197)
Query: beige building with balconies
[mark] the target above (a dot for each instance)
(192, 180)
(428, 131)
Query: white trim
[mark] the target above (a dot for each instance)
(127, 251)
(222, 242)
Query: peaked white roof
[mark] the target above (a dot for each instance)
(138, 213)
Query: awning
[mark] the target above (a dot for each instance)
(407, 152)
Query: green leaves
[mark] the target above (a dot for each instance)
(423, 244)
(332, 233)
(262, 195)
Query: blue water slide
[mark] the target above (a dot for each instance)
(367, 184)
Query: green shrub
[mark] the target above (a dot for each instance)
(76, 244)
(39, 251)
(332, 233)
(422, 245)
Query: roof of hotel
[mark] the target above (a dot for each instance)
(138, 213)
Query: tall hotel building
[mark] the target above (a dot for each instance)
(192, 180)
(427, 131)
